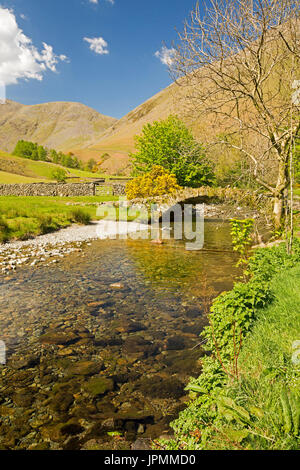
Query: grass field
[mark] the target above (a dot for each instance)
(25, 217)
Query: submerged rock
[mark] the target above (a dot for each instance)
(85, 368)
(100, 386)
(59, 338)
(159, 387)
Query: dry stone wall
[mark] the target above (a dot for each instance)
(57, 189)
(119, 189)
(48, 189)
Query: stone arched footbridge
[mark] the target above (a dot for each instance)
(234, 196)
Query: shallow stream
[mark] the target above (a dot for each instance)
(101, 345)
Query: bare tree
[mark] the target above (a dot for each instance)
(239, 60)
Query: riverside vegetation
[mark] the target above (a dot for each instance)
(25, 217)
(248, 393)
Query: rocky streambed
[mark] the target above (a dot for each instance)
(101, 344)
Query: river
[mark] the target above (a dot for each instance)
(101, 345)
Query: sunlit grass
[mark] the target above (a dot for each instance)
(25, 217)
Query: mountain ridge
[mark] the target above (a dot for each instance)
(60, 125)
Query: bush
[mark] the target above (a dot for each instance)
(59, 175)
(46, 224)
(155, 183)
(171, 145)
(4, 230)
(81, 217)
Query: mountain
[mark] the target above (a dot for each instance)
(60, 125)
(118, 141)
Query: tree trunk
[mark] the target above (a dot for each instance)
(282, 184)
(278, 210)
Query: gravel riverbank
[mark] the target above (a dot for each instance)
(51, 247)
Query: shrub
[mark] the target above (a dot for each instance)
(81, 217)
(46, 224)
(170, 144)
(241, 237)
(155, 183)
(4, 230)
(59, 175)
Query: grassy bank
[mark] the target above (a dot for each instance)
(248, 395)
(24, 217)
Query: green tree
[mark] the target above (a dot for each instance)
(170, 144)
(42, 153)
(54, 156)
(26, 150)
(59, 175)
(91, 164)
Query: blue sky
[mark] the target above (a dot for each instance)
(113, 83)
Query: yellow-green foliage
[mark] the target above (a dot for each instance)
(155, 183)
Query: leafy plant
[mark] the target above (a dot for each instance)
(227, 410)
(46, 224)
(81, 217)
(241, 238)
(4, 230)
(59, 175)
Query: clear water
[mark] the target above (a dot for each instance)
(143, 336)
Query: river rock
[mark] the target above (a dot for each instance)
(85, 368)
(160, 387)
(25, 362)
(128, 326)
(142, 444)
(117, 286)
(139, 347)
(23, 398)
(62, 401)
(176, 343)
(59, 338)
(100, 386)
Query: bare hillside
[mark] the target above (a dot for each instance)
(60, 125)
(118, 141)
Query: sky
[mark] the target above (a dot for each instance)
(107, 54)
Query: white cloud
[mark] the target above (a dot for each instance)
(19, 58)
(96, 2)
(98, 45)
(166, 56)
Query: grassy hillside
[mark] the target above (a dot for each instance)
(21, 170)
(118, 140)
(10, 178)
(60, 125)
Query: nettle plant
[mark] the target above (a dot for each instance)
(241, 231)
